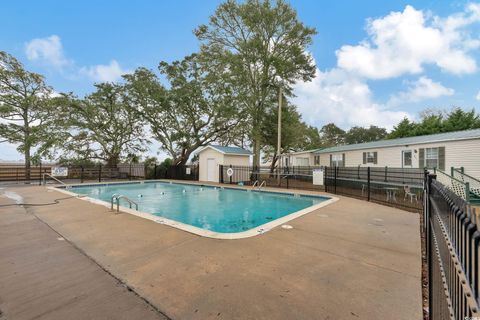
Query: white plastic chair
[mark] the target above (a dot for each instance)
(409, 193)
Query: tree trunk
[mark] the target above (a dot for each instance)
(274, 162)
(27, 163)
(256, 152)
(113, 161)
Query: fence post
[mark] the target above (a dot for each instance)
(81, 174)
(467, 192)
(428, 237)
(220, 173)
(335, 176)
(130, 172)
(17, 174)
(386, 173)
(40, 174)
(368, 183)
(230, 177)
(100, 173)
(155, 171)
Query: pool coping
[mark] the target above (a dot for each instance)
(261, 229)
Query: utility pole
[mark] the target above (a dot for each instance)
(279, 132)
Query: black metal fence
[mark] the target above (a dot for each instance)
(299, 177)
(453, 237)
(396, 187)
(35, 174)
(181, 172)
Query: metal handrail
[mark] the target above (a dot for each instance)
(264, 183)
(254, 184)
(474, 182)
(460, 188)
(45, 180)
(116, 197)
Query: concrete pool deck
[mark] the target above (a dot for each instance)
(349, 260)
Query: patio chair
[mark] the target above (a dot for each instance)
(409, 193)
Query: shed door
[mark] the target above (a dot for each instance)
(211, 170)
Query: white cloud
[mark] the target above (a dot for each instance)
(335, 96)
(403, 42)
(104, 73)
(478, 96)
(422, 89)
(47, 50)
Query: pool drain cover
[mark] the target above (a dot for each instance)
(287, 226)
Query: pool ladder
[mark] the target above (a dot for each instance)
(116, 198)
(263, 184)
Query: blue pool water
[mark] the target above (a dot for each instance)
(219, 210)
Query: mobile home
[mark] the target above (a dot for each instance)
(442, 151)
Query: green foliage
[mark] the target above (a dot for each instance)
(404, 128)
(261, 46)
(332, 135)
(311, 138)
(361, 135)
(437, 122)
(102, 126)
(294, 132)
(25, 105)
(196, 110)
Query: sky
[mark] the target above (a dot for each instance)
(377, 61)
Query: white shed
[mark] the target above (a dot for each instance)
(212, 156)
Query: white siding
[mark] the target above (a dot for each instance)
(236, 160)
(208, 153)
(461, 153)
(220, 159)
(295, 158)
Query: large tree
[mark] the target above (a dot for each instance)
(102, 126)
(28, 117)
(194, 111)
(293, 137)
(361, 135)
(434, 121)
(332, 135)
(262, 44)
(404, 128)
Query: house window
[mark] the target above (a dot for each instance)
(337, 160)
(407, 158)
(431, 157)
(303, 162)
(316, 160)
(370, 157)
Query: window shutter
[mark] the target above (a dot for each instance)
(441, 158)
(364, 158)
(375, 157)
(343, 159)
(421, 158)
(331, 162)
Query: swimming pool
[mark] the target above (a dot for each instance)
(207, 210)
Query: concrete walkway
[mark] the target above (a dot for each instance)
(349, 260)
(42, 276)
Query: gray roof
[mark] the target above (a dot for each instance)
(439, 137)
(230, 150)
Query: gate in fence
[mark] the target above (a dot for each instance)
(452, 236)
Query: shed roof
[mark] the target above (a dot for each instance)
(228, 150)
(439, 137)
